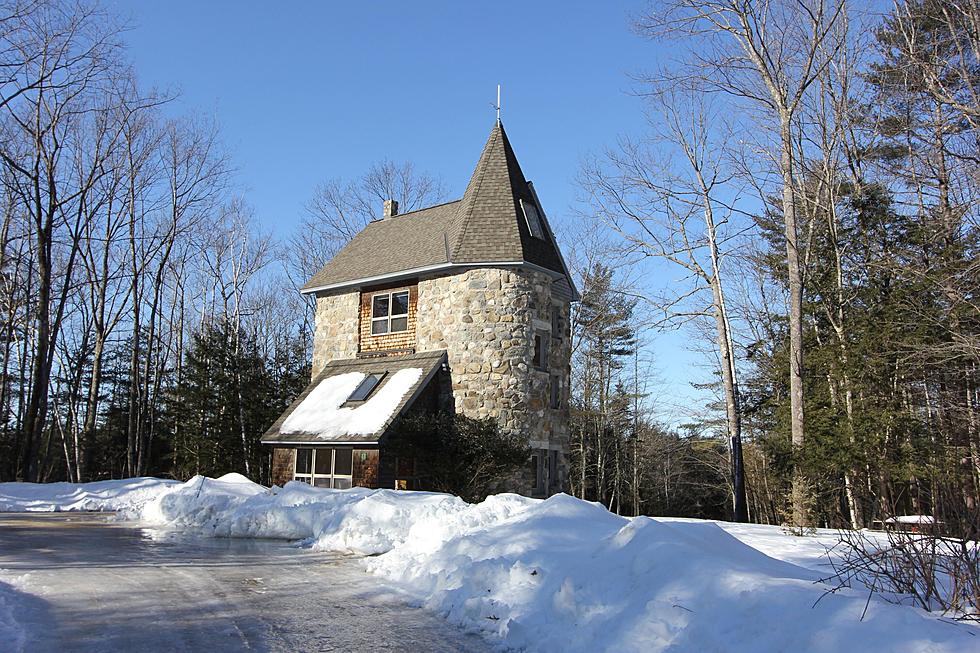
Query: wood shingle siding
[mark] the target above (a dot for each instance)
(400, 341)
(282, 465)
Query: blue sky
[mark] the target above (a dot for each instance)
(309, 91)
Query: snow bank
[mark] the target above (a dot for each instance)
(123, 495)
(567, 575)
(356, 520)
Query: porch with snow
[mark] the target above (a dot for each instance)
(335, 434)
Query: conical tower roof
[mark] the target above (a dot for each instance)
(498, 221)
(491, 223)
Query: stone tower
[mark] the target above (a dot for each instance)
(475, 295)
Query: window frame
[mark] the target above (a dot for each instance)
(555, 388)
(536, 222)
(552, 468)
(387, 319)
(381, 377)
(333, 476)
(556, 322)
(535, 470)
(540, 354)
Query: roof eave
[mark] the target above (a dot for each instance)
(404, 274)
(554, 241)
(320, 442)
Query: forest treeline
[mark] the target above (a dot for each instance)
(142, 329)
(804, 206)
(150, 326)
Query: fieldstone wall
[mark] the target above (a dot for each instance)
(486, 319)
(336, 334)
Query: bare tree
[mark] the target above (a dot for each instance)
(195, 173)
(666, 202)
(766, 54)
(234, 253)
(944, 55)
(339, 209)
(58, 133)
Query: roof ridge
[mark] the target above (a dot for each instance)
(419, 210)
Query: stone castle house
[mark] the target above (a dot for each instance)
(461, 306)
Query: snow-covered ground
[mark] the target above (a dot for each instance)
(13, 633)
(554, 575)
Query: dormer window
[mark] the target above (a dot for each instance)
(389, 312)
(533, 219)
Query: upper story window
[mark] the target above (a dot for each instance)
(389, 312)
(533, 219)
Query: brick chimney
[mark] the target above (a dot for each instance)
(391, 208)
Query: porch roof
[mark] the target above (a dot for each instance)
(324, 414)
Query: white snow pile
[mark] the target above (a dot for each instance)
(567, 575)
(356, 520)
(321, 412)
(101, 496)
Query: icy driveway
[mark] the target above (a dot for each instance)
(102, 586)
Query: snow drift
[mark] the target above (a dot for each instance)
(564, 574)
(101, 496)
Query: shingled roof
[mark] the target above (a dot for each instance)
(486, 226)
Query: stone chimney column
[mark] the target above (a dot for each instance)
(391, 208)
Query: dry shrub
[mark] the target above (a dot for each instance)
(933, 571)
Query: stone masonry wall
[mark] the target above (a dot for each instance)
(336, 332)
(486, 319)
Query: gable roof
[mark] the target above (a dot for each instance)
(332, 421)
(486, 226)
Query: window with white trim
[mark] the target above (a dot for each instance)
(322, 467)
(389, 312)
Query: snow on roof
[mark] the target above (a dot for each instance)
(322, 412)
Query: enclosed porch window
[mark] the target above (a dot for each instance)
(323, 467)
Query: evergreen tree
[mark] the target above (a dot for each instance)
(605, 337)
(223, 403)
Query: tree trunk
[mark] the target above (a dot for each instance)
(799, 509)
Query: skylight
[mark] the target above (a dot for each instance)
(366, 387)
(533, 219)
